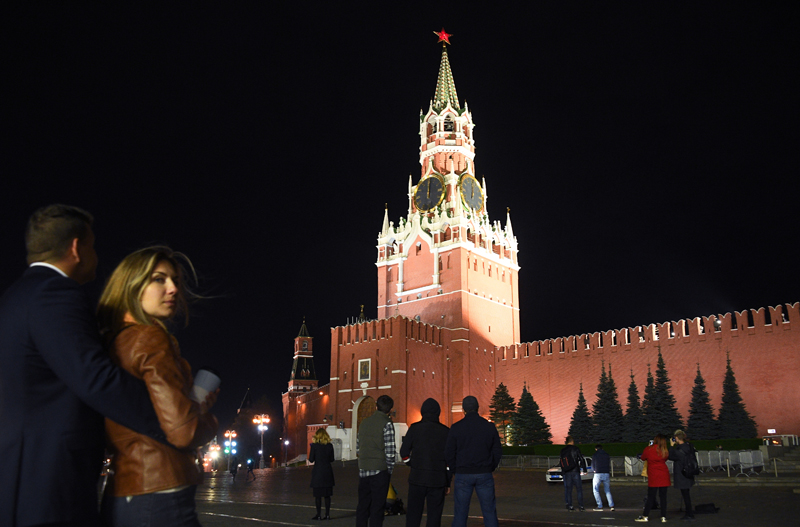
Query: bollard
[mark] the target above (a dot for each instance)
(775, 462)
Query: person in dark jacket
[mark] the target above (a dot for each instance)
(472, 452)
(572, 473)
(423, 449)
(601, 463)
(377, 450)
(321, 454)
(679, 452)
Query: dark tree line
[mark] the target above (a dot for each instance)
(657, 412)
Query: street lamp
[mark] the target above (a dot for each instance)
(285, 452)
(230, 445)
(213, 451)
(261, 420)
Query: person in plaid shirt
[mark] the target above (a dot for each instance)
(376, 457)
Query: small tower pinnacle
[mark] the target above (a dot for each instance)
(445, 86)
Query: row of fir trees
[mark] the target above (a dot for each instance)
(523, 423)
(657, 413)
(520, 423)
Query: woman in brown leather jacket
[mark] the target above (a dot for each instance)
(153, 484)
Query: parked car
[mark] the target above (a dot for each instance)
(553, 474)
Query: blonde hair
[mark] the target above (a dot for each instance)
(680, 434)
(660, 442)
(123, 291)
(321, 437)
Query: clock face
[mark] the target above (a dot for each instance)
(429, 193)
(471, 192)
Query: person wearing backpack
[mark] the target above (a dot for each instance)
(684, 470)
(572, 466)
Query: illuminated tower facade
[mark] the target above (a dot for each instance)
(446, 262)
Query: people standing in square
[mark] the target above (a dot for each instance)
(473, 451)
(376, 457)
(601, 464)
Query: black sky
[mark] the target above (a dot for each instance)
(648, 153)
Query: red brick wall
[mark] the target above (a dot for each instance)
(764, 358)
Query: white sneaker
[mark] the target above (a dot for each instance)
(612, 509)
(663, 520)
(642, 519)
(598, 510)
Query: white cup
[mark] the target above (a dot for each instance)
(205, 382)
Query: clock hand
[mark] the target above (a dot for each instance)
(429, 190)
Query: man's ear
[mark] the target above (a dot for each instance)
(72, 253)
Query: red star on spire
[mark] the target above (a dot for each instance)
(443, 36)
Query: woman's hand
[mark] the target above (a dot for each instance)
(211, 398)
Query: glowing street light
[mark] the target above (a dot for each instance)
(261, 420)
(230, 445)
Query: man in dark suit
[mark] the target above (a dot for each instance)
(57, 382)
(423, 449)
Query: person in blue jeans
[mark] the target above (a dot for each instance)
(601, 462)
(473, 452)
(572, 467)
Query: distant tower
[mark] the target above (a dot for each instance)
(446, 263)
(303, 377)
(302, 380)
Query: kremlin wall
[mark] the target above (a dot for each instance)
(413, 362)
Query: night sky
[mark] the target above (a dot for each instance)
(648, 153)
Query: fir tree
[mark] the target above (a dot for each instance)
(701, 424)
(647, 404)
(606, 412)
(734, 421)
(634, 422)
(580, 426)
(530, 427)
(662, 415)
(502, 411)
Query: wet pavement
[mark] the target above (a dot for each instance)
(281, 496)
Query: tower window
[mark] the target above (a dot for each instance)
(448, 124)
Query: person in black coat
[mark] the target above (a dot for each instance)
(321, 454)
(423, 449)
(680, 451)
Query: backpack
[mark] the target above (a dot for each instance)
(568, 462)
(690, 467)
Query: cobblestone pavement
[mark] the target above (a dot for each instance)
(281, 496)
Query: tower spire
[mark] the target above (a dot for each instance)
(445, 85)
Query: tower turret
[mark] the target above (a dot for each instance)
(303, 377)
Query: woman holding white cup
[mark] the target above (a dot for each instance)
(153, 483)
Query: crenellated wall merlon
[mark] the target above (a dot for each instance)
(387, 328)
(729, 325)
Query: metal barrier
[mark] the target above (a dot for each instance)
(523, 462)
(733, 458)
(749, 460)
(633, 466)
(714, 460)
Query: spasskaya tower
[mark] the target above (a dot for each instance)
(446, 262)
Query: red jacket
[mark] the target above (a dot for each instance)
(657, 471)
